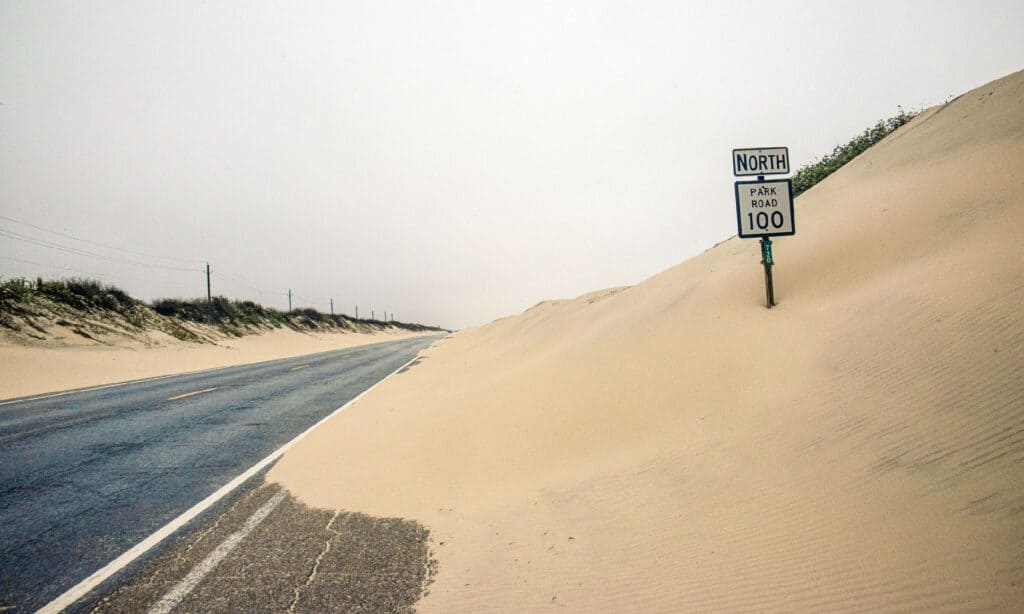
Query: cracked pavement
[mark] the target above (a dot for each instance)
(299, 559)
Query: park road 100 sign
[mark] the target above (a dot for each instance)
(764, 208)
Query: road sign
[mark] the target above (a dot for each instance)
(760, 161)
(764, 208)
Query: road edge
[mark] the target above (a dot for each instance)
(92, 581)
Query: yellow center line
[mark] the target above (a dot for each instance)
(189, 394)
(298, 367)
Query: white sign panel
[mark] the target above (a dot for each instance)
(764, 208)
(760, 161)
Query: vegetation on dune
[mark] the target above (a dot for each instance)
(810, 175)
(24, 302)
(219, 311)
(233, 315)
(26, 306)
(77, 293)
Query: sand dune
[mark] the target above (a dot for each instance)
(675, 446)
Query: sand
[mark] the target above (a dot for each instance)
(675, 446)
(69, 361)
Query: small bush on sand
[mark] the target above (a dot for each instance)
(811, 174)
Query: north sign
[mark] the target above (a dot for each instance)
(764, 208)
(760, 161)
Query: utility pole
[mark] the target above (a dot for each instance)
(209, 298)
(357, 312)
(372, 316)
(332, 307)
(289, 300)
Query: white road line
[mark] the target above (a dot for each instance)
(193, 393)
(103, 386)
(81, 589)
(194, 577)
(90, 389)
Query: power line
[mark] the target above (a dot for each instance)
(96, 243)
(101, 276)
(81, 252)
(231, 278)
(308, 302)
(50, 266)
(238, 279)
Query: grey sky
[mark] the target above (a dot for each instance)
(453, 162)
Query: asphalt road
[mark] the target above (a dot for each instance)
(86, 475)
(295, 559)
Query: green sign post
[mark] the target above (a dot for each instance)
(766, 260)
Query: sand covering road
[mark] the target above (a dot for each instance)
(675, 446)
(69, 362)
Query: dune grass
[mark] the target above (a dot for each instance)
(75, 292)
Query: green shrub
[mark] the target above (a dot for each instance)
(194, 310)
(15, 290)
(85, 294)
(810, 175)
(219, 311)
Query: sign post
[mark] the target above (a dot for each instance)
(764, 209)
(766, 260)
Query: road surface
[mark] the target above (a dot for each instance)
(85, 476)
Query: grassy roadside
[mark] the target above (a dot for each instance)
(91, 309)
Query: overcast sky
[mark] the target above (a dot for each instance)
(453, 162)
